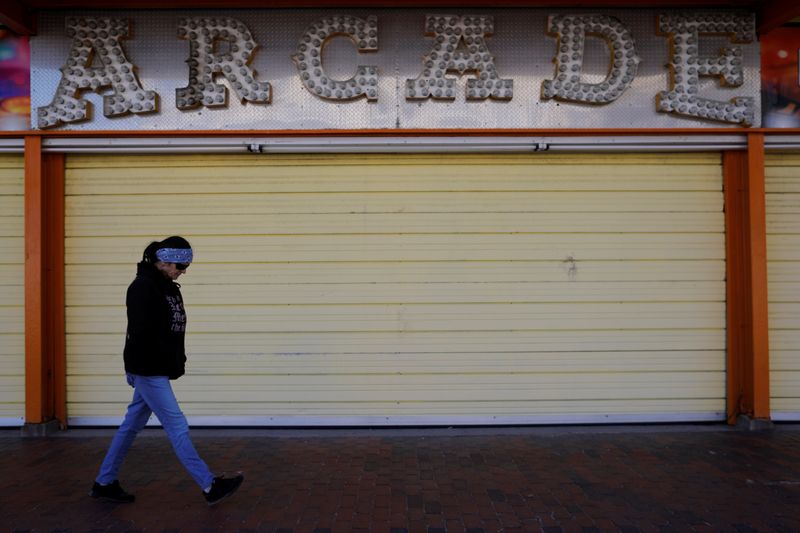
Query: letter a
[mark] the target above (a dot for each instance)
(96, 39)
(450, 31)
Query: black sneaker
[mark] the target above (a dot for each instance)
(111, 493)
(222, 488)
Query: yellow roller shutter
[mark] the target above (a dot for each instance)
(783, 255)
(389, 289)
(12, 300)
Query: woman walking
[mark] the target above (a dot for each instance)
(154, 354)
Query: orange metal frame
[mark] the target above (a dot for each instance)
(45, 360)
(35, 366)
(745, 230)
(757, 256)
(748, 343)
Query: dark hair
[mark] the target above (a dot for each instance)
(149, 255)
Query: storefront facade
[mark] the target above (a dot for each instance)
(462, 216)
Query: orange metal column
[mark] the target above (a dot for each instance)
(748, 335)
(758, 274)
(44, 285)
(36, 386)
(54, 283)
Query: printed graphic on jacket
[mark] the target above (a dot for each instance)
(178, 314)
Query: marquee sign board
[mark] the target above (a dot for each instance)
(394, 69)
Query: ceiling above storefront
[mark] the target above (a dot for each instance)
(21, 15)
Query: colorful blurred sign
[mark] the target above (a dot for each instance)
(15, 82)
(780, 80)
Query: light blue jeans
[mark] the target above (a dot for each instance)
(153, 394)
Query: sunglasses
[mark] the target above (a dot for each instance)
(182, 266)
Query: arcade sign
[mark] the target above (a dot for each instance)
(459, 63)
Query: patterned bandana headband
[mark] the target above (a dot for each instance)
(175, 255)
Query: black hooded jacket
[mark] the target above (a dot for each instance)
(156, 325)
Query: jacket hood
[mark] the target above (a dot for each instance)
(148, 270)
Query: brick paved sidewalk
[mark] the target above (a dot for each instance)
(707, 478)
